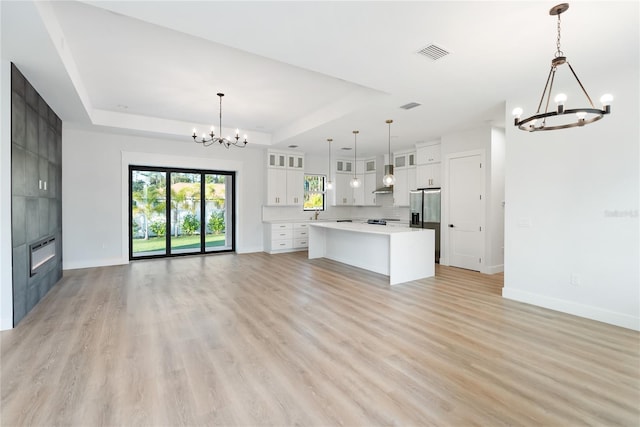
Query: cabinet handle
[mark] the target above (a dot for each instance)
(45, 186)
(39, 184)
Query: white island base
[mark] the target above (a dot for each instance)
(403, 254)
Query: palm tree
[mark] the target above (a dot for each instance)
(148, 201)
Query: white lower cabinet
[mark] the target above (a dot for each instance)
(286, 237)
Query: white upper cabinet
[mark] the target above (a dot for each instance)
(285, 179)
(428, 153)
(295, 161)
(405, 172)
(277, 160)
(428, 173)
(344, 166)
(428, 176)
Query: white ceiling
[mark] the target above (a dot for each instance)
(300, 72)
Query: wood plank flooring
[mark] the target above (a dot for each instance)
(257, 339)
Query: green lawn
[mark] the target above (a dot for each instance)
(182, 242)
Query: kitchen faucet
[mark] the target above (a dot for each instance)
(315, 215)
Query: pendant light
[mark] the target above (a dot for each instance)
(328, 183)
(355, 182)
(388, 179)
(561, 118)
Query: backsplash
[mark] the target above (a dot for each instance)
(275, 213)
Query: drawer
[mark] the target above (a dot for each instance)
(300, 233)
(300, 226)
(279, 227)
(301, 243)
(281, 234)
(281, 244)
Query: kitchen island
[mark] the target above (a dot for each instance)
(402, 253)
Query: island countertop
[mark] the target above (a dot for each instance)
(402, 253)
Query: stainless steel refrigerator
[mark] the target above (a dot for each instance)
(425, 212)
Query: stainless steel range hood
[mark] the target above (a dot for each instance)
(388, 169)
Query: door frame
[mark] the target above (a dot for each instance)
(168, 171)
(444, 229)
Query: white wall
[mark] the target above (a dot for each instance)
(94, 196)
(490, 141)
(6, 283)
(495, 206)
(572, 209)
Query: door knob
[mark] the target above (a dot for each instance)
(451, 225)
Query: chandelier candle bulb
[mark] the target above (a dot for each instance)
(606, 100)
(560, 99)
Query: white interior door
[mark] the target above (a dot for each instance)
(466, 204)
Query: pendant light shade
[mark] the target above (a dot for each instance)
(355, 181)
(389, 179)
(328, 184)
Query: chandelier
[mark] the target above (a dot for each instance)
(388, 179)
(562, 117)
(207, 140)
(355, 181)
(329, 184)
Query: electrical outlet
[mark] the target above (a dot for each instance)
(575, 279)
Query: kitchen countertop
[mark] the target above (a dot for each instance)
(366, 228)
(391, 222)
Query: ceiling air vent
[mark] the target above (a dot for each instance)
(434, 52)
(410, 105)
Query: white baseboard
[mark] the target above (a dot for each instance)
(570, 307)
(249, 250)
(493, 269)
(97, 263)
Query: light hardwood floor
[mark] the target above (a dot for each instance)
(263, 339)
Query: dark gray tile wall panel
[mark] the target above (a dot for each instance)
(52, 183)
(20, 281)
(53, 217)
(43, 140)
(32, 220)
(58, 146)
(18, 214)
(31, 96)
(43, 216)
(32, 130)
(18, 170)
(43, 177)
(36, 157)
(43, 108)
(17, 82)
(32, 174)
(18, 120)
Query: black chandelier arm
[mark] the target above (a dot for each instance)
(550, 78)
(582, 87)
(581, 122)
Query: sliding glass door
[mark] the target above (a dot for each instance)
(168, 216)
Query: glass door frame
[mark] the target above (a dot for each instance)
(203, 225)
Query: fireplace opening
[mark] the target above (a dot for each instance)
(40, 253)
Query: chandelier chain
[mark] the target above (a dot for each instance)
(558, 52)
